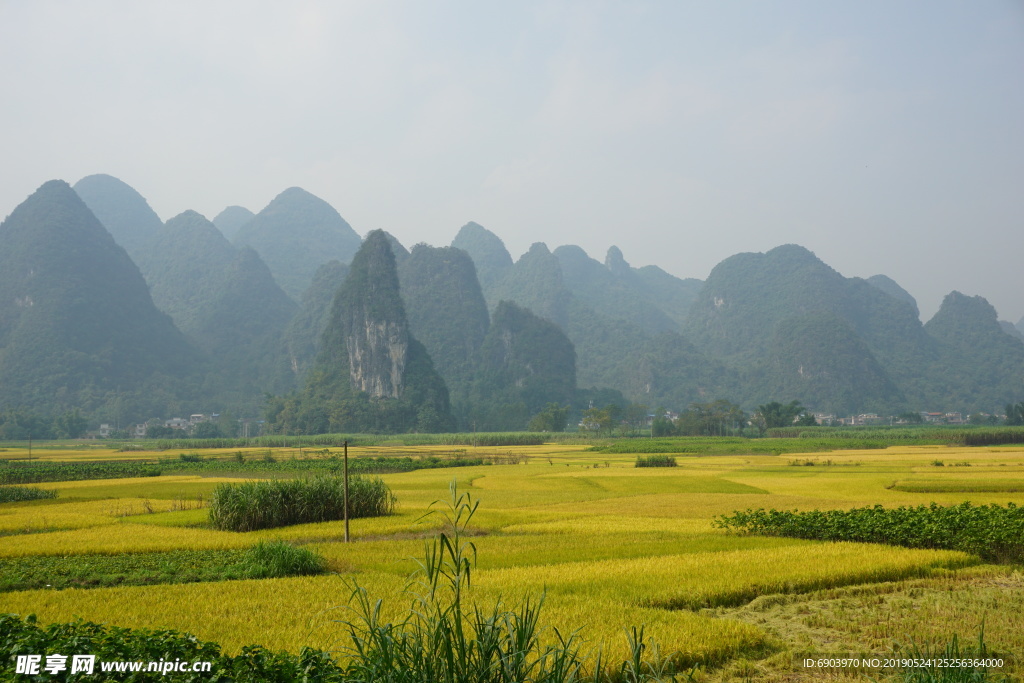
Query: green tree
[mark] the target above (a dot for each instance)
(663, 426)
(807, 420)
(551, 419)
(70, 425)
(775, 414)
(207, 430)
(717, 418)
(635, 416)
(1015, 413)
(597, 420)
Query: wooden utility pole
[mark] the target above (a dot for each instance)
(346, 490)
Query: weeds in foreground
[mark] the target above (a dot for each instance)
(940, 660)
(445, 639)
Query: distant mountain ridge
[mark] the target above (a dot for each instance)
(124, 212)
(230, 220)
(780, 325)
(295, 234)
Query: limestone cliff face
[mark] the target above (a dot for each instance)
(369, 366)
(373, 326)
(377, 354)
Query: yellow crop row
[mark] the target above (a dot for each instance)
(599, 599)
(181, 487)
(113, 539)
(729, 577)
(296, 612)
(612, 546)
(528, 550)
(53, 514)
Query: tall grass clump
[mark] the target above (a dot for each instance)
(282, 502)
(273, 559)
(656, 461)
(16, 494)
(445, 638)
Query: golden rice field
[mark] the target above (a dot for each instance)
(609, 545)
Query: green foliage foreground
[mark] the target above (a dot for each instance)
(254, 664)
(282, 502)
(992, 532)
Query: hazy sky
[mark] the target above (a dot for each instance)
(886, 136)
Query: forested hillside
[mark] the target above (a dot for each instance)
(526, 362)
(302, 337)
(980, 365)
(447, 312)
(78, 328)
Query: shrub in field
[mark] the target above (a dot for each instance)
(11, 494)
(283, 502)
(656, 461)
(272, 559)
(992, 532)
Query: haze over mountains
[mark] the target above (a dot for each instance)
(106, 309)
